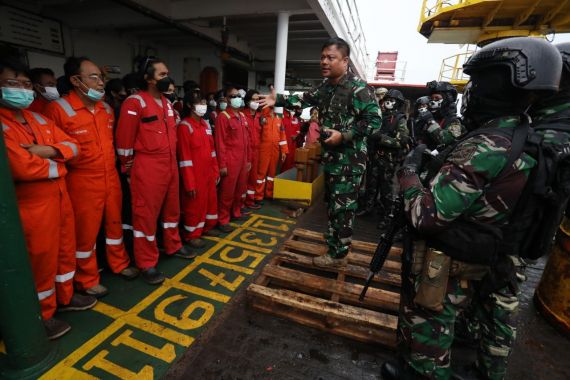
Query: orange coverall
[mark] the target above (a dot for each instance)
(292, 129)
(254, 131)
(273, 143)
(93, 184)
(43, 201)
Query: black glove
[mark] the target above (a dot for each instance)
(425, 117)
(413, 161)
(502, 275)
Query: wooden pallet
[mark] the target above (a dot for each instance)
(290, 286)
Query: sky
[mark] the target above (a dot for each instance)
(392, 26)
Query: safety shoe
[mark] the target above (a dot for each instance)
(97, 291)
(196, 243)
(129, 273)
(185, 253)
(225, 228)
(326, 261)
(79, 302)
(152, 276)
(56, 328)
(214, 232)
(254, 206)
(245, 212)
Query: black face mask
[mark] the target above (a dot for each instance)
(163, 84)
(171, 97)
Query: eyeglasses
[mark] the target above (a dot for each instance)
(233, 96)
(94, 77)
(27, 84)
(148, 60)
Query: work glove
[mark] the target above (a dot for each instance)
(413, 161)
(501, 275)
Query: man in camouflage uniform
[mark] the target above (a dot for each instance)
(348, 114)
(386, 149)
(478, 185)
(441, 126)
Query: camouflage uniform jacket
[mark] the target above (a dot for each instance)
(392, 139)
(544, 115)
(445, 132)
(468, 185)
(348, 107)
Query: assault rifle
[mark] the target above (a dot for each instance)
(397, 222)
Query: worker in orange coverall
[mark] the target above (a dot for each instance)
(37, 151)
(199, 172)
(146, 146)
(253, 116)
(93, 182)
(292, 129)
(234, 159)
(272, 147)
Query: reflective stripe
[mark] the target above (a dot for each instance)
(107, 108)
(83, 254)
(127, 227)
(188, 125)
(125, 152)
(211, 217)
(66, 106)
(140, 99)
(260, 181)
(71, 145)
(114, 241)
(170, 225)
(139, 234)
(52, 171)
(243, 195)
(282, 142)
(213, 154)
(4, 127)
(270, 179)
(131, 112)
(45, 294)
(39, 118)
(208, 131)
(184, 164)
(251, 192)
(64, 277)
(194, 228)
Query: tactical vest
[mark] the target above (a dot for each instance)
(390, 123)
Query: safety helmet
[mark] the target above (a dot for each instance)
(395, 94)
(534, 63)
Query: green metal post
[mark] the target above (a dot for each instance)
(28, 351)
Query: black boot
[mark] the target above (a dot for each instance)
(392, 370)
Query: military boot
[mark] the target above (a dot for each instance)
(326, 261)
(392, 370)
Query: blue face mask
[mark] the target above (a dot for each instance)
(92, 93)
(223, 106)
(19, 98)
(236, 102)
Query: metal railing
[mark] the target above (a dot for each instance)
(452, 67)
(432, 7)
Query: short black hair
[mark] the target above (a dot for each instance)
(248, 95)
(340, 44)
(115, 85)
(14, 64)
(228, 89)
(36, 74)
(147, 66)
(131, 81)
(190, 98)
(189, 86)
(72, 66)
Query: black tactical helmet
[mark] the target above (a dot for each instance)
(564, 49)
(534, 64)
(446, 89)
(424, 100)
(395, 94)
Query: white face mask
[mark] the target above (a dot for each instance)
(253, 105)
(213, 103)
(278, 110)
(200, 109)
(388, 104)
(50, 93)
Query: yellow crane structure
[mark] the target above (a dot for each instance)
(479, 22)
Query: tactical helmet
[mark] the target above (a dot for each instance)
(534, 64)
(395, 94)
(424, 100)
(381, 92)
(446, 89)
(564, 49)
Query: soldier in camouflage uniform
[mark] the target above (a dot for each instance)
(386, 149)
(479, 184)
(348, 114)
(441, 126)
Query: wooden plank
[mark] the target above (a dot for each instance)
(353, 258)
(357, 245)
(261, 279)
(312, 284)
(352, 322)
(351, 270)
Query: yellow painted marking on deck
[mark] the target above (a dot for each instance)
(64, 369)
(220, 279)
(261, 224)
(251, 238)
(2, 347)
(166, 353)
(267, 232)
(100, 361)
(184, 322)
(225, 255)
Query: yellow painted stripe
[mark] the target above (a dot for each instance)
(233, 267)
(109, 310)
(275, 219)
(267, 232)
(159, 330)
(199, 291)
(250, 247)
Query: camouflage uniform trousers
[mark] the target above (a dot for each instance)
(342, 198)
(425, 337)
(379, 184)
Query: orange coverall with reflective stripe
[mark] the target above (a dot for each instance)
(94, 185)
(273, 143)
(43, 201)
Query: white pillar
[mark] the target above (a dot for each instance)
(251, 80)
(281, 51)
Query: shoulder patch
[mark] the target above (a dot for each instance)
(464, 153)
(455, 130)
